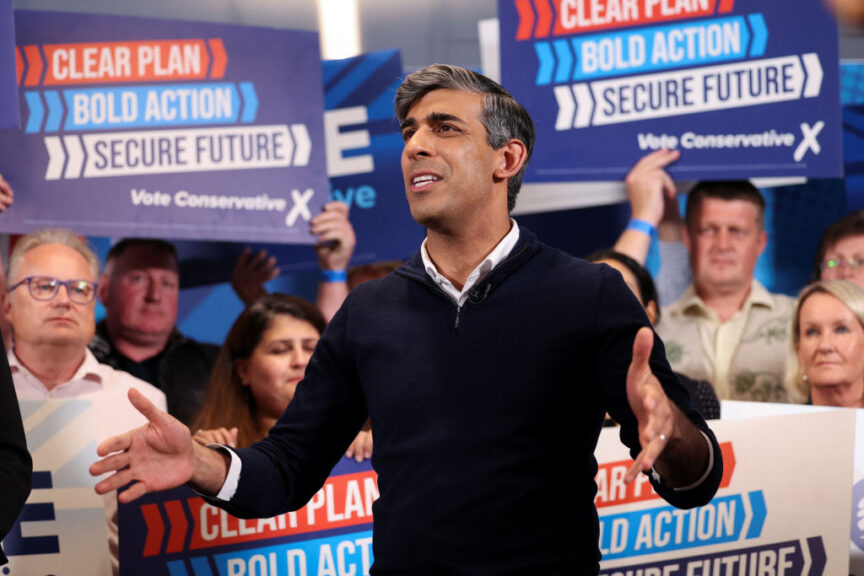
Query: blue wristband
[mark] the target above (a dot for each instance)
(642, 226)
(335, 275)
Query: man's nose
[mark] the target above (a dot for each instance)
(154, 290)
(724, 238)
(419, 144)
(62, 296)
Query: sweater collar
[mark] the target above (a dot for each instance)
(495, 257)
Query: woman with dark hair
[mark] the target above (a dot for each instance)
(639, 280)
(259, 366)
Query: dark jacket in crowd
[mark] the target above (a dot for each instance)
(182, 370)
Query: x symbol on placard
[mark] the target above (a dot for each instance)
(301, 206)
(808, 141)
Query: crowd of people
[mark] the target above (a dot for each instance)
(398, 351)
(725, 327)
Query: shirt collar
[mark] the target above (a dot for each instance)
(758, 296)
(495, 257)
(88, 370)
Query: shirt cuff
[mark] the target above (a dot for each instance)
(229, 488)
(701, 479)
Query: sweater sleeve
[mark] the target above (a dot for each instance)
(284, 470)
(621, 318)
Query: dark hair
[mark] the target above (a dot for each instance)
(647, 288)
(228, 402)
(502, 116)
(156, 245)
(851, 224)
(724, 190)
(371, 271)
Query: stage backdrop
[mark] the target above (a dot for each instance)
(364, 147)
(745, 88)
(8, 88)
(140, 127)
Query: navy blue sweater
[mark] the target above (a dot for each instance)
(485, 417)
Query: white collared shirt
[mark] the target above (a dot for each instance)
(111, 412)
(495, 257)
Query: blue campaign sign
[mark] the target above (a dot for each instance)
(140, 127)
(744, 88)
(176, 533)
(8, 76)
(364, 146)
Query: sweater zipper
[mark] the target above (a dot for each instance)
(458, 311)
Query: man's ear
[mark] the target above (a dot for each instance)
(103, 287)
(763, 241)
(510, 159)
(651, 311)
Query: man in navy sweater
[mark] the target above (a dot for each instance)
(486, 365)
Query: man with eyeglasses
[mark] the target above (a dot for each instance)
(50, 301)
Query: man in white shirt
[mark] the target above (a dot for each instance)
(50, 302)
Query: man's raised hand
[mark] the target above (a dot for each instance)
(156, 456)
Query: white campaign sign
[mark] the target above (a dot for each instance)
(783, 506)
(733, 410)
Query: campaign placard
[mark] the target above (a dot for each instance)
(744, 88)
(62, 529)
(364, 147)
(140, 127)
(783, 506)
(737, 409)
(8, 86)
(177, 533)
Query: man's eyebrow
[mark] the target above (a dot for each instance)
(433, 118)
(439, 117)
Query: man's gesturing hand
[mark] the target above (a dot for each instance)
(649, 403)
(156, 456)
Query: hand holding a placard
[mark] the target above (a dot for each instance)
(157, 456)
(335, 246)
(648, 185)
(251, 273)
(671, 444)
(335, 236)
(7, 195)
(651, 192)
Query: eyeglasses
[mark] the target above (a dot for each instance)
(45, 288)
(853, 263)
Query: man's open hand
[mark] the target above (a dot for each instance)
(156, 456)
(649, 403)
